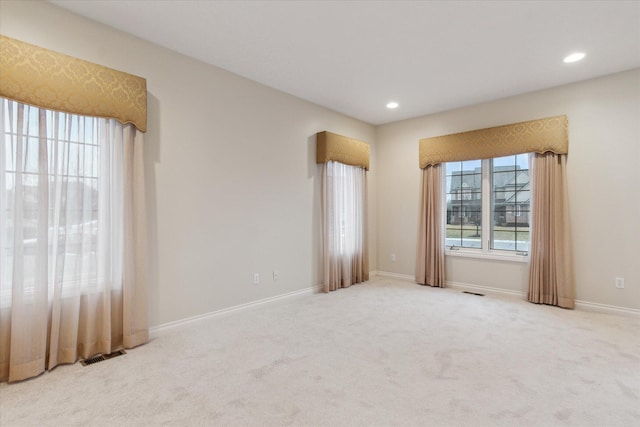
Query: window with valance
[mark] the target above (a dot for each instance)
(486, 184)
(72, 216)
(344, 164)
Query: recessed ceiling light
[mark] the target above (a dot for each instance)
(577, 56)
(391, 105)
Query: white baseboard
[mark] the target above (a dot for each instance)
(580, 305)
(607, 309)
(404, 277)
(484, 289)
(154, 331)
(454, 285)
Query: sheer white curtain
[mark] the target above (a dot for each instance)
(72, 226)
(344, 221)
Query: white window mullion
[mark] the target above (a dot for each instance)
(487, 229)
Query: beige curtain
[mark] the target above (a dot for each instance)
(430, 250)
(73, 239)
(344, 225)
(135, 328)
(551, 279)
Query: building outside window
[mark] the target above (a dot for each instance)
(488, 204)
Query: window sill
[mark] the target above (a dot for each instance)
(496, 256)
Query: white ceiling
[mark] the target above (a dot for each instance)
(355, 56)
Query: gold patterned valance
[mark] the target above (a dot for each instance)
(534, 136)
(47, 79)
(338, 148)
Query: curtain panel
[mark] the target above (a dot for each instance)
(430, 250)
(551, 279)
(73, 269)
(344, 226)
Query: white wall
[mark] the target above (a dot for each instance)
(230, 168)
(603, 179)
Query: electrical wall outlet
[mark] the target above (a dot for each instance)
(256, 278)
(276, 275)
(393, 257)
(620, 282)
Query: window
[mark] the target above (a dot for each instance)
(488, 205)
(510, 202)
(347, 207)
(54, 201)
(464, 204)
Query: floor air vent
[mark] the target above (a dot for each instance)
(102, 357)
(473, 293)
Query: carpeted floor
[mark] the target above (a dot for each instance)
(386, 353)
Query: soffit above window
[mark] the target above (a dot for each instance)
(338, 148)
(36, 76)
(534, 136)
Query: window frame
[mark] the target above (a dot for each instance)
(485, 251)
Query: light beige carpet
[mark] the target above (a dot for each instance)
(386, 353)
